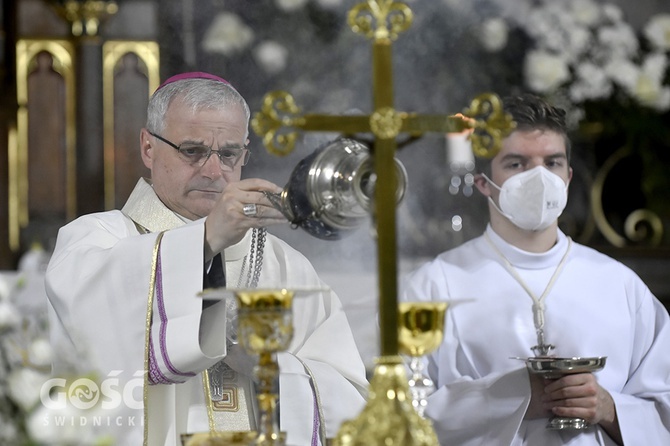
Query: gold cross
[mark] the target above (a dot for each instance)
(279, 123)
(279, 120)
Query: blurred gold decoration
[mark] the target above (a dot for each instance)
(278, 111)
(490, 123)
(85, 16)
(641, 225)
(388, 419)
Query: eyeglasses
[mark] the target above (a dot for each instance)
(198, 154)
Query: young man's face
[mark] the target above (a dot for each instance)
(187, 189)
(524, 150)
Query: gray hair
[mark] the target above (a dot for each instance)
(195, 93)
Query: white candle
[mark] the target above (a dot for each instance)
(459, 151)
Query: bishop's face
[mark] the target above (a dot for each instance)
(188, 189)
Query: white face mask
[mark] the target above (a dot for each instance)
(532, 199)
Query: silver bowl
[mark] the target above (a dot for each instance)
(554, 368)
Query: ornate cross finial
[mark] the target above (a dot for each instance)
(391, 18)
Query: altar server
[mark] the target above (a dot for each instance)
(194, 218)
(524, 288)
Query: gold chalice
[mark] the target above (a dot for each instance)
(265, 327)
(421, 330)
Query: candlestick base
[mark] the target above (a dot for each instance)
(388, 419)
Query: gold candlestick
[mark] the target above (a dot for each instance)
(388, 419)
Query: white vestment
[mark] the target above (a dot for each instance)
(597, 307)
(98, 286)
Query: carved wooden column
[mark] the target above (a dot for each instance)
(85, 18)
(80, 101)
(8, 33)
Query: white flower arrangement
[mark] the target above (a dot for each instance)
(25, 367)
(584, 51)
(271, 56)
(227, 35)
(19, 385)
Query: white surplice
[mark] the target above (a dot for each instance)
(597, 307)
(98, 286)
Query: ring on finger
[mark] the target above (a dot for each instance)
(250, 210)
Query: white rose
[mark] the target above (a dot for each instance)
(291, 5)
(623, 72)
(35, 259)
(57, 426)
(40, 352)
(654, 66)
(549, 27)
(579, 41)
(613, 13)
(648, 91)
(271, 56)
(493, 34)
(24, 387)
(539, 23)
(9, 316)
(620, 40)
(657, 30)
(592, 83)
(227, 35)
(8, 429)
(586, 12)
(662, 102)
(545, 72)
(5, 288)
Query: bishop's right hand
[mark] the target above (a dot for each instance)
(227, 223)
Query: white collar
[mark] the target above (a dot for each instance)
(529, 260)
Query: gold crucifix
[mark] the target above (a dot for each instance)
(279, 123)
